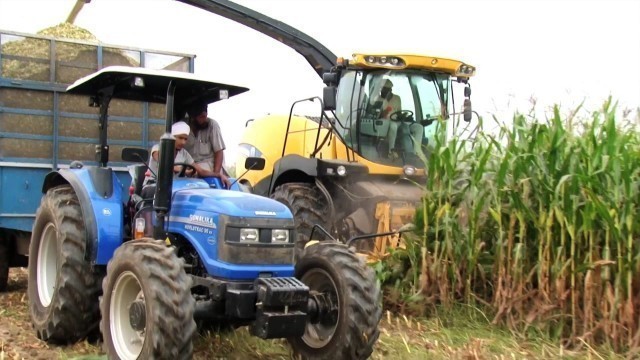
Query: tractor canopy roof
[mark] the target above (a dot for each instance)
(140, 84)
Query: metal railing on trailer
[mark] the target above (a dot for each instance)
(42, 128)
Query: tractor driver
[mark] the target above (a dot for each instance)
(205, 142)
(180, 132)
(391, 103)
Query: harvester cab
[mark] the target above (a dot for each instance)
(354, 168)
(221, 258)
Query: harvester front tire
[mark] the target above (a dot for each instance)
(149, 273)
(308, 206)
(63, 288)
(332, 269)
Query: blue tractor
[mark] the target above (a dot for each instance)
(147, 272)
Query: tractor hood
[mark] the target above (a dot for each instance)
(226, 202)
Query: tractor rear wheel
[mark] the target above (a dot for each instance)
(4, 264)
(344, 323)
(63, 288)
(309, 207)
(147, 307)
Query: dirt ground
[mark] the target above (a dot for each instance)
(443, 337)
(17, 338)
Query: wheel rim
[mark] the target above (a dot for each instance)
(47, 264)
(127, 341)
(318, 335)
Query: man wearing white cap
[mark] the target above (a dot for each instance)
(180, 132)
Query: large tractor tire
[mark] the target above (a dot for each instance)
(4, 264)
(349, 301)
(63, 288)
(309, 207)
(147, 307)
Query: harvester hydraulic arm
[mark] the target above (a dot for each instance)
(318, 56)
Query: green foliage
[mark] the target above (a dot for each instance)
(537, 222)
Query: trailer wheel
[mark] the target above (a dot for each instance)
(344, 323)
(63, 288)
(4, 264)
(309, 207)
(147, 307)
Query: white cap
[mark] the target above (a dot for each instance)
(180, 128)
(155, 148)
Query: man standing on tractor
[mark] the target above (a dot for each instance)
(205, 142)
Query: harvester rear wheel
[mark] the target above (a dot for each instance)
(309, 207)
(349, 304)
(63, 288)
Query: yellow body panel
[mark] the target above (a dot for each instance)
(438, 64)
(267, 135)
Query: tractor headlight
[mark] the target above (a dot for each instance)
(341, 170)
(279, 236)
(249, 235)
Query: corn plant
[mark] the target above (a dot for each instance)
(539, 223)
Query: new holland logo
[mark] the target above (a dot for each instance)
(265, 213)
(202, 220)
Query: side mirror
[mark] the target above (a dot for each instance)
(466, 106)
(254, 163)
(135, 155)
(251, 163)
(329, 94)
(466, 110)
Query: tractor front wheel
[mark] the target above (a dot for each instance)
(147, 307)
(343, 324)
(63, 288)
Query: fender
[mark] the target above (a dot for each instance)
(296, 168)
(292, 168)
(99, 192)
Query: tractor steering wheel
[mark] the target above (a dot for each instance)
(185, 166)
(405, 116)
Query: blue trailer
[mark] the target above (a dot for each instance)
(42, 128)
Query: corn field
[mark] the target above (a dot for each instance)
(538, 224)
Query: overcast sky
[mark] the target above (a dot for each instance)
(560, 51)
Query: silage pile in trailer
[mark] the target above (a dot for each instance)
(29, 58)
(538, 225)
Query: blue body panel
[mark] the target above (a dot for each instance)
(20, 196)
(21, 191)
(188, 197)
(107, 212)
(195, 214)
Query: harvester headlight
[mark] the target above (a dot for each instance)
(383, 60)
(249, 235)
(371, 59)
(409, 170)
(466, 70)
(394, 61)
(279, 236)
(341, 170)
